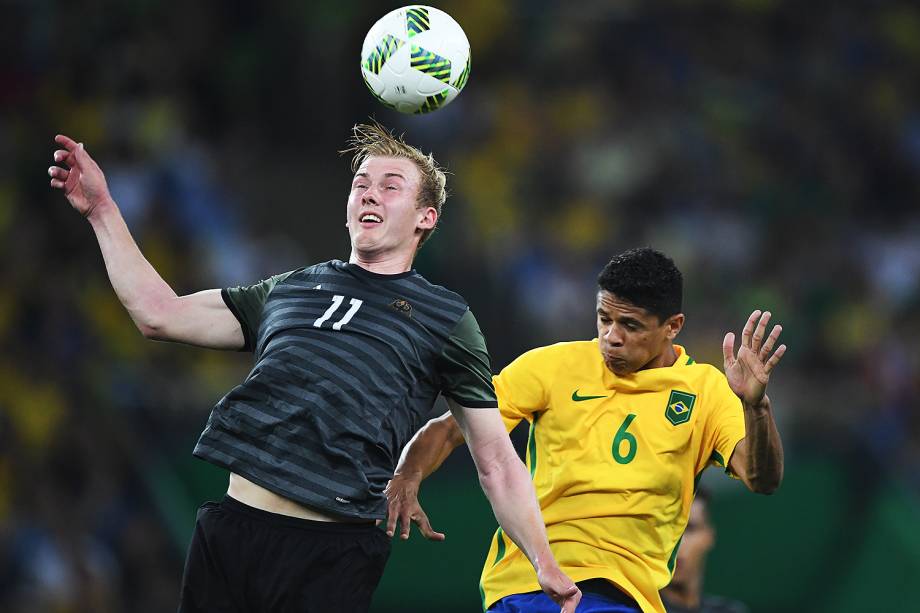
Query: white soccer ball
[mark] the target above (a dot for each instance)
(415, 59)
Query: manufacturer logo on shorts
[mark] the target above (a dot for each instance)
(342, 500)
(680, 407)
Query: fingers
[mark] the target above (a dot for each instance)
(774, 359)
(759, 331)
(65, 157)
(56, 172)
(66, 142)
(73, 152)
(424, 526)
(748, 330)
(571, 600)
(771, 341)
(58, 176)
(391, 521)
(405, 524)
(728, 349)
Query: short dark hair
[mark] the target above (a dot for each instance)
(645, 278)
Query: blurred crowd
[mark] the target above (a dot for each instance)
(772, 148)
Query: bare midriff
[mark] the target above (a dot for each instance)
(249, 493)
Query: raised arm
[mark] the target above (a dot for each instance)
(200, 319)
(507, 485)
(758, 457)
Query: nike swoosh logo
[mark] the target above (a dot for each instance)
(578, 398)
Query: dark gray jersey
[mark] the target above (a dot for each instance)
(348, 364)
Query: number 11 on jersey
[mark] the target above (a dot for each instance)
(336, 303)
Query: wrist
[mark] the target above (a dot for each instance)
(760, 407)
(101, 210)
(543, 560)
(411, 475)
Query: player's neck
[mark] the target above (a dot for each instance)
(664, 359)
(383, 264)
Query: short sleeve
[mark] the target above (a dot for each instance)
(465, 367)
(523, 386)
(724, 427)
(246, 303)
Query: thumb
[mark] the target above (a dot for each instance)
(728, 348)
(82, 157)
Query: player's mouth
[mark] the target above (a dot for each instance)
(370, 220)
(616, 364)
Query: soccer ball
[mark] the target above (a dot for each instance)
(415, 59)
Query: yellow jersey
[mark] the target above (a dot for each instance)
(615, 462)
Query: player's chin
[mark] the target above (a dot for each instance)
(617, 366)
(365, 241)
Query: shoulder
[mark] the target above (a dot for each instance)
(567, 350)
(570, 354)
(439, 292)
(704, 376)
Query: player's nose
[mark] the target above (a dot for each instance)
(613, 337)
(369, 196)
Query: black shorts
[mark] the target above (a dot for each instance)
(243, 559)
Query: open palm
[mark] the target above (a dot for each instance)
(748, 372)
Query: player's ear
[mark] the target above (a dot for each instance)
(428, 218)
(675, 324)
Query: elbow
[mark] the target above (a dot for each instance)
(492, 476)
(151, 332)
(152, 323)
(446, 429)
(502, 474)
(766, 485)
(765, 489)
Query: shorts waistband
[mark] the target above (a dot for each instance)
(235, 506)
(607, 590)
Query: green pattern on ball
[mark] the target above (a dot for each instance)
(460, 83)
(430, 63)
(433, 103)
(379, 56)
(417, 20)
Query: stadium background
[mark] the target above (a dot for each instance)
(771, 147)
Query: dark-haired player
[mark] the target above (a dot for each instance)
(620, 429)
(349, 359)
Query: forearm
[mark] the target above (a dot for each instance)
(138, 286)
(763, 460)
(429, 448)
(508, 487)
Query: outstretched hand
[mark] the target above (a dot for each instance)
(403, 505)
(749, 372)
(79, 176)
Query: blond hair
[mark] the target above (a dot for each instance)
(374, 140)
